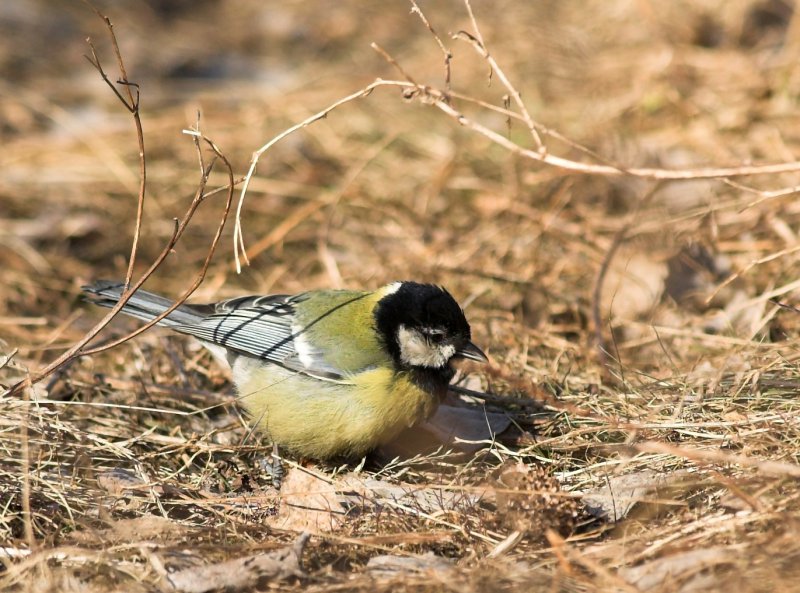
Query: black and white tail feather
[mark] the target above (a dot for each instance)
(254, 326)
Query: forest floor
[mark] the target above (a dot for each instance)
(589, 179)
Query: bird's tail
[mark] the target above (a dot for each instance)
(144, 305)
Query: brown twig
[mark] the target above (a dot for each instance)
(753, 263)
(27, 517)
(441, 100)
(79, 347)
(180, 228)
(448, 55)
(763, 195)
(616, 243)
(479, 45)
(396, 65)
(238, 239)
(132, 105)
(436, 98)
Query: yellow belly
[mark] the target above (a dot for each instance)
(321, 419)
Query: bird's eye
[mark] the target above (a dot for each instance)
(434, 337)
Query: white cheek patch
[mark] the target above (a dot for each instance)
(416, 351)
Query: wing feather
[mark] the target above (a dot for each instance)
(262, 327)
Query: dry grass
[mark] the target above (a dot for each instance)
(671, 383)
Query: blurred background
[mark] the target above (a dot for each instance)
(387, 188)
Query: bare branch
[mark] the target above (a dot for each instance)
(619, 239)
(180, 228)
(132, 105)
(79, 348)
(396, 66)
(238, 240)
(480, 46)
(448, 55)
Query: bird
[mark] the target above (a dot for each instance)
(326, 373)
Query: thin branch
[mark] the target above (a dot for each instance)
(396, 65)
(441, 100)
(748, 267)
(619, 239)
(238, 240)
(95, 61)
(763, 195)
(474, 22)
(436, 99)
(132, 105)
(448, 55)
(27, 516)
(78, 349)
(181, 227)
(541, 128)
(479, 44)
(196, 137)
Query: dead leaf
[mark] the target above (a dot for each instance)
(633, 284)
(455, 425)
(684, 565)
(144, 528)
(308, 503)
(615, 500)
(378, 493)
(241, 573)
(120, 481)
(428, 563)
(468, 428)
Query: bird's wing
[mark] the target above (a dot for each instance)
(263, 327)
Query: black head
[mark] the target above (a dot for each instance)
(423, 326)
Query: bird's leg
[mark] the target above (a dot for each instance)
(277, 467)
(273, 466)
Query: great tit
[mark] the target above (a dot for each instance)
(326, 373)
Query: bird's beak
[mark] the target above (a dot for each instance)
(471, 352)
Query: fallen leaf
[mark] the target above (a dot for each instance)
(378, 493)
(615, 500)
(119, 481)
(241, 573)
(683, 565)
(633, 285)
(455, 425)
(308, 503)
(144, 528)
(427, 563)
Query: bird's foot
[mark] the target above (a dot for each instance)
(274, 467)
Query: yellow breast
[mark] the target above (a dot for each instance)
(322, 419)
